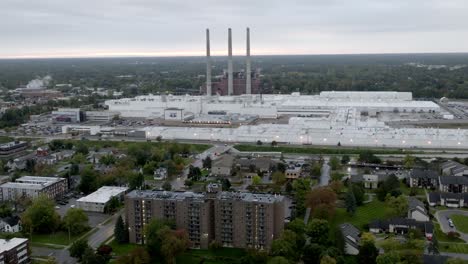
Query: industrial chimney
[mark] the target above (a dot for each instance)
(208, 64)
(248, 80)
(230, 73)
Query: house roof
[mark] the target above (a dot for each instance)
(434, 197)
(350, 231)
(223, 161)
(434, 259)
(419, 173)
(454, 180)
(11, 220)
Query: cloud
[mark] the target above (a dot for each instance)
(85, 27)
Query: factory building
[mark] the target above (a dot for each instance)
(101, 116)
(240, 220)
(67, 115)
(13, 147)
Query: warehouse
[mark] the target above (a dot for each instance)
(97, 201)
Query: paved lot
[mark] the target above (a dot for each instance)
(61, 255)
(441, 217)
(93, 218)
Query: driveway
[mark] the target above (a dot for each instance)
(325, 176)
(441, 217)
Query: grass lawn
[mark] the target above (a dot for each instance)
(442, 237)
(219, 256)
(364, 214)
(460, 222)
(453, 247)
(205, 172)
(57, 238)
(406, 190)
(122, 249)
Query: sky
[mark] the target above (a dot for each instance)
(102, 28)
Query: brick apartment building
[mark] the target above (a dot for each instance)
(240, 220)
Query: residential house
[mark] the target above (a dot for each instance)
(64, 154)
(370, 181)
(351, 237)
(452, 200)
(223, 165)
(10, 224)
(417, 210)
(453, 168)
(293, 171)
(262, 164)
(453, 184)
(402, 226)
(160, 173)
(428, 179)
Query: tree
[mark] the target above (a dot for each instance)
(113, 204)
(408, 162)
(137, 256)
(312, 253)
(390, 184)
(350, 202)
(367, 237)
(368, 253)
(367, 156)
(167, 186)
(297, 226)
(322, 200)
(206, 163)
(359, 193)
(278, 177)
(159, 138)
(284, 248)
(41, 216)
(90, 257)
(316, 170)
(226, 184)
(455, 261)
(256, 180)
(345, 159)
(78, 248)
(274, 143)
(391, 257)
(135, 180)
(82, 148)
(259, 142)
(318, 231)
(76, 221)
(336, 186)
(107, 159)
(194, 173)
(334, 163)
(154, 240)
(278, 260)
(398, 205)
(174, 242)
(327, 260)
(88, 183)
(121, 231)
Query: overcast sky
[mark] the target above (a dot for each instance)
(76, 28)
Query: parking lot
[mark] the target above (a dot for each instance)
(94, 218)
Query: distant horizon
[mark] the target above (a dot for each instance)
(216, 55)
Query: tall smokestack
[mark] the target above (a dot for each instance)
(248, 84)
(208, 64)
(230, 73)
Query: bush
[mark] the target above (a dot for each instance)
(453, 235)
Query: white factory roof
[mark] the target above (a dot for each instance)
(32, 182)
(8, 244)
(103, 194)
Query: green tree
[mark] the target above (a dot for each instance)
(174, 242)
(334, 163)
(318, 231)
(327, 260)
(388, 258)
(316, 170)
(226, 184)
(359, 193)
(284, 248)
(82, 148)
(135, 180)
(409, 162)
(256, 180)
(345, 159)
(78, 248)
(278, 260)
(107, 159)
(90, 257)
(274, 143)
(312, 253)
(398, 205)
(76, 221)
(206, 163)
(278, 177)
(120, 231)
(350, 202)
(88, 183)
(113, 204)
(137, 256)
(41, 216)
(368, 253)
(167, 186)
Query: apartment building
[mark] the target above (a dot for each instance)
(241, 220)
(14, 251)
(32, 187)
(10, 148)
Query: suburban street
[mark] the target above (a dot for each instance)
(104, 231)
(325, 176)
(442, 216)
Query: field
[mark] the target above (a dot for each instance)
(461, 222)
(441, 236)
(461, 248)
(364, 214)
(317, 150)
(218, 256)
(122, 249)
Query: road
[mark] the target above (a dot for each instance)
(61, 255)
(325, 176)
(442, 215)
(104, 231)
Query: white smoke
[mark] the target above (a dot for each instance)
(39, 83)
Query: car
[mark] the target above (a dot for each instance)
(450, 222)
(57, 207)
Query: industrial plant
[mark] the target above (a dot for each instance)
(233, 109)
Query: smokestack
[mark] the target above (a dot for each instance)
(230, 73)
(248, 84)
(208, 64)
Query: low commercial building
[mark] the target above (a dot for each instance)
(101, 116)
(13, 147)
(223, 166)
(14, 251)
(32, 187)
(97, 201)
(67, 115)
(240, 220)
